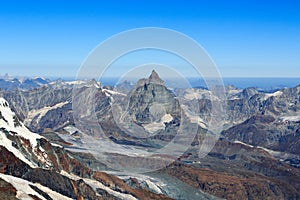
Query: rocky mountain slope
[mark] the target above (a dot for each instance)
(31, 167)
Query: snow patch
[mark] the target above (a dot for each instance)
(56, 145)
(111, 92)
(275, 94)
(267, 150)
(42, 112)
(78, 82)
(71, 129)
(291, 118)
(242, 143)
(96, 184)
(154, 184)
(153, 187)
(167, 118)
(156, 126)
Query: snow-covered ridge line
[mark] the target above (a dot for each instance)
(9, 123)
(275, 94)
(5, 142)
(23, 188)
(96, 184)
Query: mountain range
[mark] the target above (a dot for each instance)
(48, 138)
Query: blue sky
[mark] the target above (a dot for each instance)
(244, 38)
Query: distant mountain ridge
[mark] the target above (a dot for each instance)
(10, 83)
(256, 157)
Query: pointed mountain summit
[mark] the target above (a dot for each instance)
(153, 78)
(150, 97)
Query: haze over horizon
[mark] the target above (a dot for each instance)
(245, 39)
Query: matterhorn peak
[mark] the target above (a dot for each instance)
(153, 78)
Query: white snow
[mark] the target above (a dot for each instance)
(42, 112)
(268, 150)
(39, 77)
(160, 125)
(71, 129)
(275, 94)
(85, 83)
(153, 183)
(78, 82)
(167, 118)
(96, 184)
(112, 92)
(51, 193)
(8, 145)
(239, 142)
(258, 147)
(56, 145)
(23, 188)
(21, 131)
(291, 118)
(153, 187)
(234, 98)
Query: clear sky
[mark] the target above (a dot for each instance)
(244, 38)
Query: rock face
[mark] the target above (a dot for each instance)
(40, 167)
(265, 131)
(229, 186)
(7, 191)
(151, 100)
(148, 109)
(35, 103)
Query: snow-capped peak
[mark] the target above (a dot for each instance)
(10, 124)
